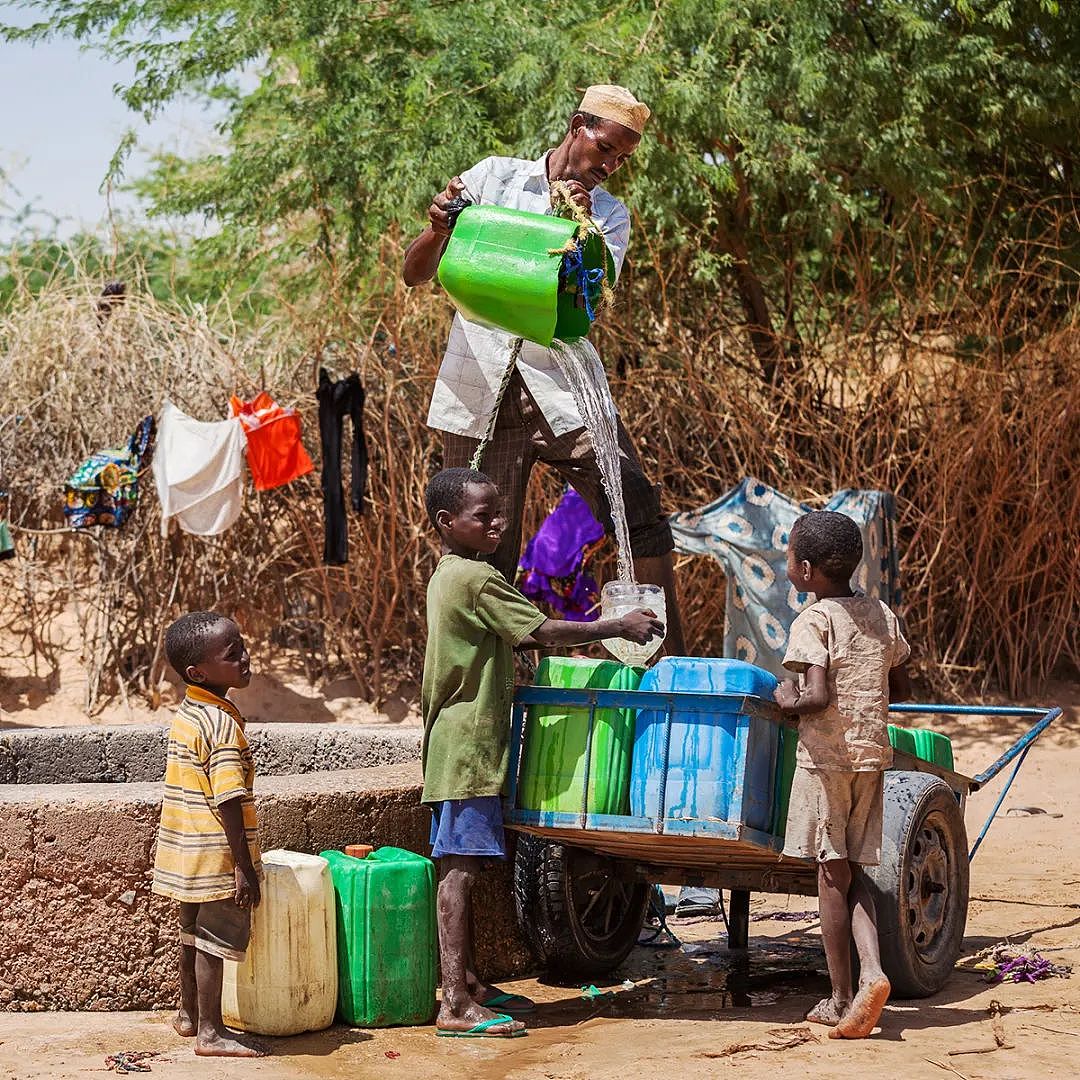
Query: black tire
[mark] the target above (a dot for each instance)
(528, 872)
(577, 913)
(920, 889)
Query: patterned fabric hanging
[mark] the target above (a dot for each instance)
(747, 530)
(104, 489)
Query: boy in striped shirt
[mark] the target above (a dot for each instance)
(208, 840)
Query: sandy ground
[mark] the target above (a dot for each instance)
(688, 1016)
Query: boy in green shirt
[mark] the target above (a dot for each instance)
(475, 620)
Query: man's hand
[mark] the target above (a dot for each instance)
(786, 695)
(579, 196)
(640, 626)
(248, 891)
(437, 215)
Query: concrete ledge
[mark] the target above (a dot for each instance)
(81, 929)
(136, 752)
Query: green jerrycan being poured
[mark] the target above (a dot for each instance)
(386, 944)
(501, 270)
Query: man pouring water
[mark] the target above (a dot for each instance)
(537, 418)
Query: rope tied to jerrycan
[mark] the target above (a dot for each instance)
(595, 288)
(478, 453)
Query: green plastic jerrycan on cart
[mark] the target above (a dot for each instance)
(499, 270)
(386, 943)
(553, 760)
(785, 774)
(934, 747)
(922, 743)
(928, 745)
(903, 739)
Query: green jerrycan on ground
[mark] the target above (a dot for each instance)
(499, 270)
(386, 943)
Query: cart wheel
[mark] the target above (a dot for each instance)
(528, 871)
(921, 887)
(578, 914)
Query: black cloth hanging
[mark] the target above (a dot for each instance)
(336, 399)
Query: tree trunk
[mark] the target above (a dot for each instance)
(767, 345)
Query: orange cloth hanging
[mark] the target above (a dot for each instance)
(275, 453)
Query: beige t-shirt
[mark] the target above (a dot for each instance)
(857, 639)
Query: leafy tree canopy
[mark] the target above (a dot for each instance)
(777, 127)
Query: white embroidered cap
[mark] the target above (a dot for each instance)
(615, 103)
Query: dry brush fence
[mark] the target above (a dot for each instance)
(980, 444)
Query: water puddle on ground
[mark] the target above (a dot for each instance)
(702, 983)
(709, 979)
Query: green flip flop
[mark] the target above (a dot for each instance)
(481, 1030)
(510, 1002)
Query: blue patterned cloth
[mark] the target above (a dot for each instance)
(747, 530)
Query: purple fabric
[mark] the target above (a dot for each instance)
(552, 570)
(1024, 967)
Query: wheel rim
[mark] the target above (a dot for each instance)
(601, 900)
(928, 885)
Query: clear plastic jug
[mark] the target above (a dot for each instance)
(618, 598)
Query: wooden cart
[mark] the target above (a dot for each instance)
(583, 880)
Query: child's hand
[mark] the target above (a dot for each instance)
(640, 626)
(248, 890)
(786, 695)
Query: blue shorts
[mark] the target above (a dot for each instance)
(468, 827)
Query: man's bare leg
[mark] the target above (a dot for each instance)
(660, 570)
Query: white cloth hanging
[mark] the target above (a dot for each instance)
(198, 468)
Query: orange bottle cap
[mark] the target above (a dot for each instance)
(358, 851)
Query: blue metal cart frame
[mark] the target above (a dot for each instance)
(725, 854)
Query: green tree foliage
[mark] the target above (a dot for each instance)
(158, 262)
(784, 134)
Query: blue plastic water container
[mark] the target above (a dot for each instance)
(722, 765)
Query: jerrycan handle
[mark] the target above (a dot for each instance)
(454, 208)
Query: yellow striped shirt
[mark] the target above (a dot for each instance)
(208, 764)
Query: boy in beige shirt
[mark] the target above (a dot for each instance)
(851, 657)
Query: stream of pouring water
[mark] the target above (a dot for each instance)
(584, 372)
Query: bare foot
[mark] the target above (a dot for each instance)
(225, 1044)
(183, 1024)
(828, 1012)
(470, 1016)
(865, 1010)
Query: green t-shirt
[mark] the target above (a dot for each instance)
(475, 618)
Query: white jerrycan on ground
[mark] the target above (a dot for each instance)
(287, 982)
